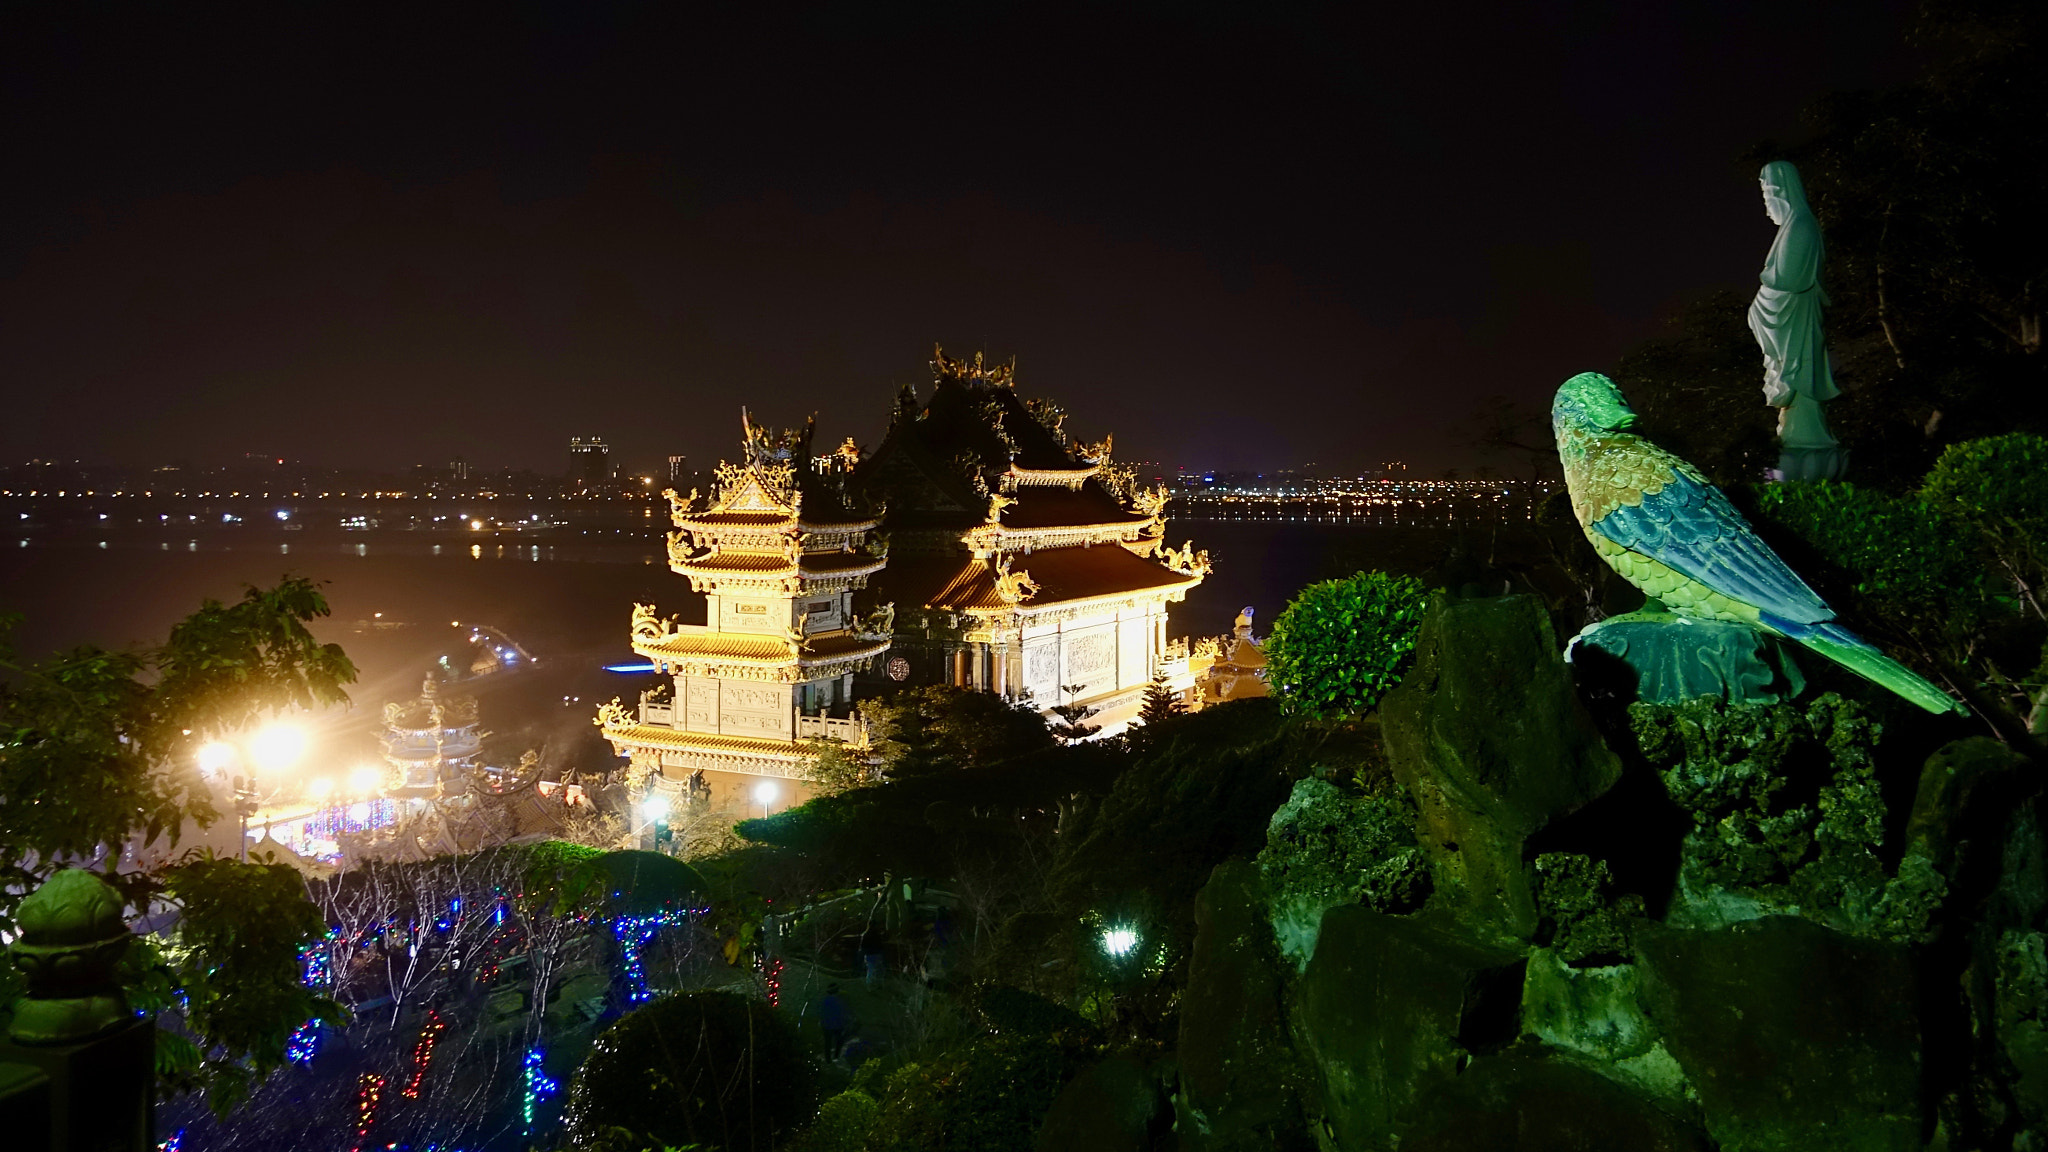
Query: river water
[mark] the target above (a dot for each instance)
(564, 598)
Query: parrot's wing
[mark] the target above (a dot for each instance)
(1684, 523)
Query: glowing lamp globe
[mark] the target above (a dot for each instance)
(277, 747)
(1119, 941)
(216, 756)
(765, 793)
(655, 808)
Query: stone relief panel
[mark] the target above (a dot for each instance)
(1090, 661)
(754, 709)
(1042, 670)
(735, 615)
(700, 704)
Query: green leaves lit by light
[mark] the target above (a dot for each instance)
(1342, 644)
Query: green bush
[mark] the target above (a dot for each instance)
(698, 1067)
(1342, 644)
(1999, 486)
(1325, 848)
(1906, 558)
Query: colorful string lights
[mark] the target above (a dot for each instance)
(304, 1044)
(369, 1094)
(538, 1084)
(634, 934)
(423, 1052)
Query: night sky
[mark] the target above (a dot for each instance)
(1236, 235)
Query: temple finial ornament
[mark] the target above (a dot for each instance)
(73, 933)
(1785, 318)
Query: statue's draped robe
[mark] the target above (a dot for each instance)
(1786, 320)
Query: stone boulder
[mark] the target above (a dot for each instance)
(1391, 1007)
(1526, 1100)
(1966, 789)
(1794, 1036)
(1488, 735)
(1115, 1106)
(1241, 1084)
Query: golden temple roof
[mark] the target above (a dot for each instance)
(1062, 575)
(672, 739)
(742, 647)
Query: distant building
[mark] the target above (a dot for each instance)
(1023, 562)
(678, 467)
(590, 459)
(1018, 562)
(778, 554)
(458, 470)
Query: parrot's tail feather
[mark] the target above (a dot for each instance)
(1857, 655)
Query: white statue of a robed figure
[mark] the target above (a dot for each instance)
(1785, 318)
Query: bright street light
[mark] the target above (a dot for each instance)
(321, 788)
(277, 747)
(655, 808)
(363, 780)
(214, 757)
(1119, 941)
(764, 794)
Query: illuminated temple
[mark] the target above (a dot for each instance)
(778, 555)
(1018, 561)
(1022, 562)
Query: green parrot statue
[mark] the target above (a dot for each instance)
(1653, 518)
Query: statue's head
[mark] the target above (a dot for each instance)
(1784, 194)
(1590, 402)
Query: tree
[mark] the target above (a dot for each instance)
(1161, 705)
(97, 755)
(921, 731)
(1073, 725)
(1340, 645)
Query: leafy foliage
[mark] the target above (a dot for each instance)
(1342, 644)
(96, 755)
(697, 1067)
(232, 960)
(1929, 194)
(1582, 921)
(921, 731)
(1787, 814)
(1999, 487)
(988, 1094)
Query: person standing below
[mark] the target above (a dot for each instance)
(832, 1018)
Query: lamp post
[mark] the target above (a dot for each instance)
(764, 795)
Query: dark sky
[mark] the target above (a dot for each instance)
(1245, 235)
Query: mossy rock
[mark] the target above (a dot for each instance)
(1115, 1106)
(1240, 1079)
(1525, 1100)
(1794, 1036)
(1488, 735)
(1391, 1006)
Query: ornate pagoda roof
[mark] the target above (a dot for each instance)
(1039, 581)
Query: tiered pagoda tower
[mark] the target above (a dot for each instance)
(1021, 561)
(778, 554)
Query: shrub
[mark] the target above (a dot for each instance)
(1999, 486)
(1342, 644)
(699, 1067)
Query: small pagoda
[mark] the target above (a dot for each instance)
(1023, 562)
(431, 742)
(778, 552)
